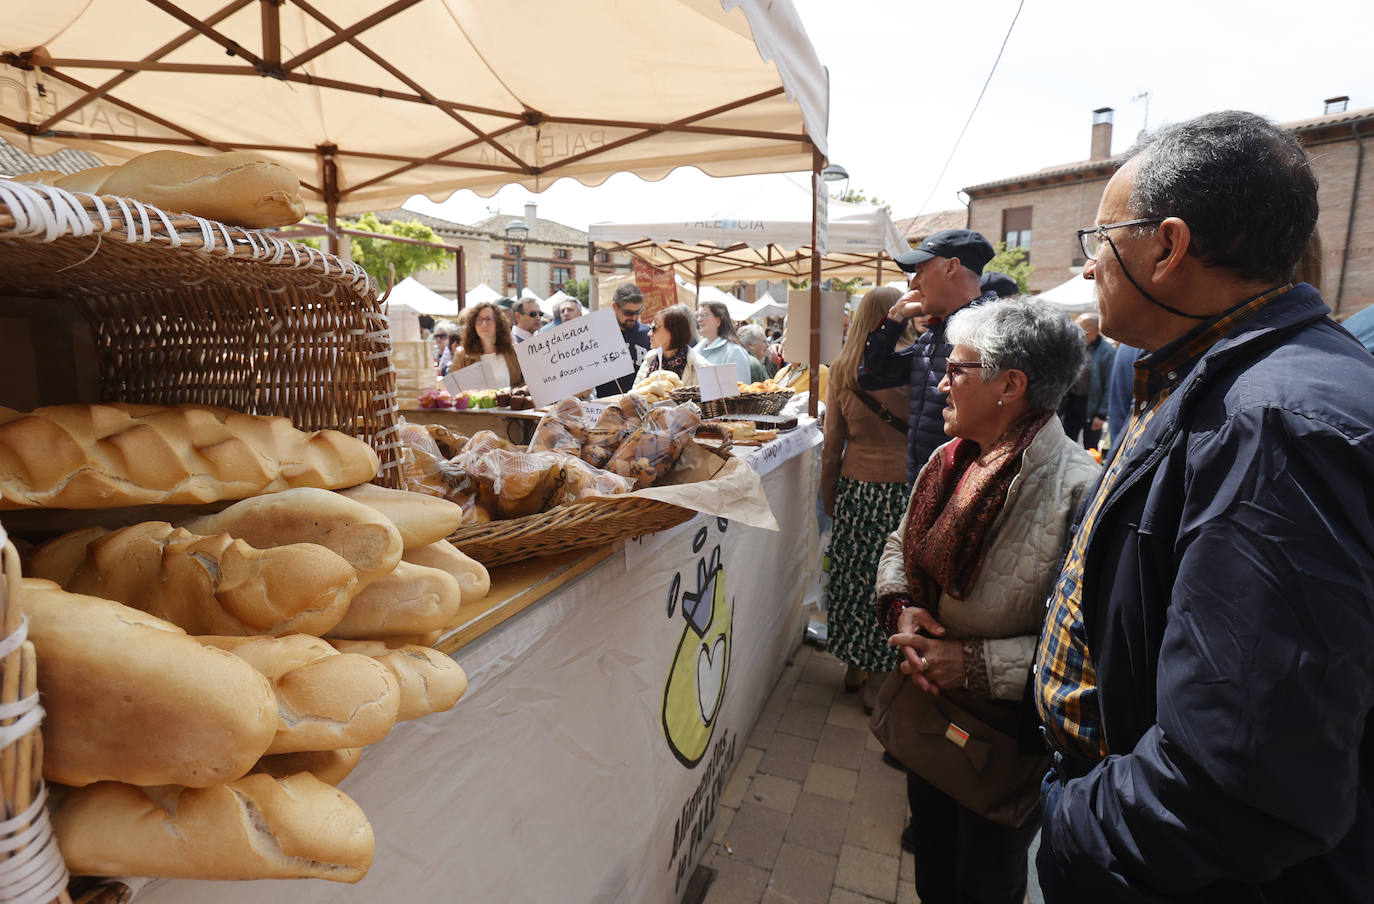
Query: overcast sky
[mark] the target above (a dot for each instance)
(904, 75)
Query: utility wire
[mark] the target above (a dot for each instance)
(968, 121)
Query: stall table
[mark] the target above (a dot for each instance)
(611, 693)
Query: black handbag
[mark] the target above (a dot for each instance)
(966, 747)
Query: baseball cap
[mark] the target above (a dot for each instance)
(1000, 283)
(970, 247)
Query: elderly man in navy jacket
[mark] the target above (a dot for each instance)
(1206, 669)
(944, 278)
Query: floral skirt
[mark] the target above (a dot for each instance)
(865, 513)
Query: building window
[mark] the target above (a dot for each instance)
(604, 257)
(562, 254)
(1016, 228)
(512, 277)
(559, 276)
(512, 250)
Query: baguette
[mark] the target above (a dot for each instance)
(204, 585)
(329, 766)
(132, 698)
(430, 682)
(473, 578)
(258, 827)
(366, 539)
(422, 519)
(41, 177)
(107, 456)
(326, 700)
(412, 599)
(237, 187)
(87, 180)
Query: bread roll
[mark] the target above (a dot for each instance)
(326, 700)
(473, 578)
(329, 766)
(132, 698)
(237, 187)
(365, 538)
(106, 456)
(258, 827)
(87, 180)
(412, 599)
(205, 585)
(41, 177)
(430, 681)
(421, 519)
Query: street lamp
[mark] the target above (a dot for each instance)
(835, 173)
(516, 233)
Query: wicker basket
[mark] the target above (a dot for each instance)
(578, 525)
(31, 869)
(748, 403)
(186, 310)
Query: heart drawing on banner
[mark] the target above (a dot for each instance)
(710, 675)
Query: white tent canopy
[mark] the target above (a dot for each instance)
(409, 293)
(761, 240)
(371, 104)
(480, 293)
(1076, 296)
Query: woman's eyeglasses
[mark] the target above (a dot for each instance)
(953, 367)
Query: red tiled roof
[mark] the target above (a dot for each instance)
(913, 229)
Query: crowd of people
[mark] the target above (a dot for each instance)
(1138, 547)
(1181, 640)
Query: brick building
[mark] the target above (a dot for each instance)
(1042, 211)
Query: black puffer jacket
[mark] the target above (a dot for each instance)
(922, 367)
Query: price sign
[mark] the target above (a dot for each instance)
(718, 381)
(481, 375)
(574, 356)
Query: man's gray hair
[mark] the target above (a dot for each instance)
(749, 333)
(1027, 335)
(1244, 186)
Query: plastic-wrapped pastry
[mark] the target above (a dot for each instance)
(653, 449)
(449, 443)
(420, 459)
(607, 434)
(486, 441)
(583, 480)
(513, 484)
(563, 429)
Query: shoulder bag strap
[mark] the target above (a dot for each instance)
(887, 417)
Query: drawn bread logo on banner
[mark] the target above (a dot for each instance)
(701, 664)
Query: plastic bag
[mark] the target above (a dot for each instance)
(651, 451)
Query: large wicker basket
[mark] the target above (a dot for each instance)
(185, 310)
(745, 403)
(31, 867)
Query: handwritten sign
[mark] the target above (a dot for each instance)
(574, 356)
(770, 455)
(481, 375)
(718, 381)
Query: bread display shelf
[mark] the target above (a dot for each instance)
(186, 310)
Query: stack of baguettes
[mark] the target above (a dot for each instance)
(208, 678)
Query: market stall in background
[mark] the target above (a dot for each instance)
(188, 396)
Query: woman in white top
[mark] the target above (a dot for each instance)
(670, 346)
(719, 344)
(487, 338)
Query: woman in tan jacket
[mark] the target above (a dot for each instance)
(863, 487)
(487, 338)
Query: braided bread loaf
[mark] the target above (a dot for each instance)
(106, 456)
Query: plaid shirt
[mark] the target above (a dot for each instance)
(1065, 678)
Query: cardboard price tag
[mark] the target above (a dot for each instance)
(718, 381)
(574, 356)
(473, 377)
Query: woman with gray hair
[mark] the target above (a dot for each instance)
(962, 583)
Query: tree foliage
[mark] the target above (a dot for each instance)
(577, 288)
(856, 196)
(378, 256)
(1012, 261)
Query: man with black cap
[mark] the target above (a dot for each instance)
(1001, 283)
(944, 278)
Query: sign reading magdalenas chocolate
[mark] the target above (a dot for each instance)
(574, 356)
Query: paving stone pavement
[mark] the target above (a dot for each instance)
(811, 814)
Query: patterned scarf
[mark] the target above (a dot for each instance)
(953, 506)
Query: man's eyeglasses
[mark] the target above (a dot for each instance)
(628, 313)
(953, 367)
(1091, 238)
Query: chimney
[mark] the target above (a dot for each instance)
(1102, 134)
(530, 218)
(1335, 105)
